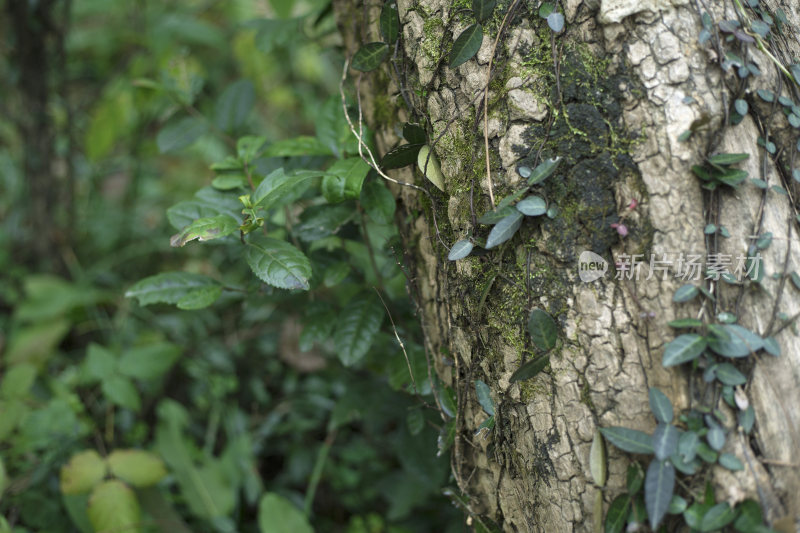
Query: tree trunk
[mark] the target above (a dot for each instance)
(614, 96)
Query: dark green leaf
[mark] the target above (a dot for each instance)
(764, 241)
(466, 45)
(120, 391)
(401, 156)
(706, 454)
(378, 202)
(343, 179)
(278, 263)
(629, 440)
(482, 9)
(414, 133)
(677, 505)
(750, 517)
(280, 188)
(717, 517)
(169, 287)
(617, 514)
(634, 478)
(684, 348)
(694, 514)
(685, 293)
(660, 406)
(390, 22)
(685, 323)
(357, 326)
(484, 397)
(370, 56)
(728, 375)
(504, 230)
(297, 146)
(665, 441)
(658, 488)
(543, 171)
(234, 105)
(180, 134)
(532, 206)
(727, 159)
(320, 221)
(543, 330)
(732, 340)
(276, 514)
(545, 9)
(460, 250)
(493, 217)
(149, 362)
(530, 368)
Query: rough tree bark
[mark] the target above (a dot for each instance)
(611, 95)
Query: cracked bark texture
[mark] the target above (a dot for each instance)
(632, 78)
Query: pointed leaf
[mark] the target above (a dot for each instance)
(357, 326)
(460, 250)
(180, 134)
(378, 202)
(532, 206)
(113, 507)
(629, 440)
(279, 188)
(482, 9)
(121, 391)
(729, 375)
(617, 514)
(370, 56)
(234, 105)
(727, 159)
(168, 287)
(685, 293)
(137, 467)
(344, 179)
(278, 263)
(200, 298)
(466, 45)
(665, 441)
(414, 133)
(495, 216)
(205, 229)
(530, 369)
(684, 348)
(659, 485)
(276, 514)
(597, 460)
(484, 397)
(390, 22)
(660, 405)
(731, 462)
(732, 340)
(504, 230)
(428, 163)
(556, 21)
(717, 517)
(543, 330)
(543, 171)
(401, 156)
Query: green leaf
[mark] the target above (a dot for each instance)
(276, 514)
(208, 202)
(717, 517)
(205, 229)
(727, 159)
(343, 179)
(741, 107)
(685, 293)
(169, 287)
(694, 514)
(556, 21)
(728, 375)
(677, 505)
(764, 241)
(137, 467)
(428, 164)
(303, 145)
(617, 514)
(83, 471)
(750, 517)
(414, 133)
(772, 347)
(401, 156)
(148, 362)
(660, 406)
(659, 484)
(320, 221)
(530, 369)
(370, 56)
(495, 216)
(684, 348)
(532, 206)
(180, 134)
(730, 461)
(390, 22)
(378, 202)
(543, 330)
(200, 298)
(279, 188)
(113, 507)
(358, 323)
(234, 105)
(629, 440)
(120, 391)
(466, 45)
(278, 263)
(100, 362)
(685, 323)
(482, 9)
(543, 171)
(634, 478)
(17, 381)
(484, 397)
(688, 444)
(732, 340)
(460, 250)
(665, 441)
(598, 467)
(504, 230)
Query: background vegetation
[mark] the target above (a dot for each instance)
(252, 408)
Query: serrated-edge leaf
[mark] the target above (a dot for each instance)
(357, 326)
(504, 230)
(659, 485)
(205, 229)
(279, 264)
(460, 250)
(167, 287)
(660, 405)
(370, 56)
(344, 179)
(484, 396)
(684, 348)
(200, 298)
(542, 329)
(466, 45)
(279, 185)
(629, 440)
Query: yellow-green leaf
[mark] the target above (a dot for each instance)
(113, 508)
(430, 167)
(137, 467)
(83, 471)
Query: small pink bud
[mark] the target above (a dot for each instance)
(633, 204)
(622, 229)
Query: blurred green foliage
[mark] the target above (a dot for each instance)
(241, 416)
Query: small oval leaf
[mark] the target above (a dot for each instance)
(504, 230)
(629, 440)
(466, 45)
(684, 348)
(556, 21)
(370, 56)
(428, 163)
(543, 330)
(543, 171)
(532, 206)
(460, 250)
(660, 405)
